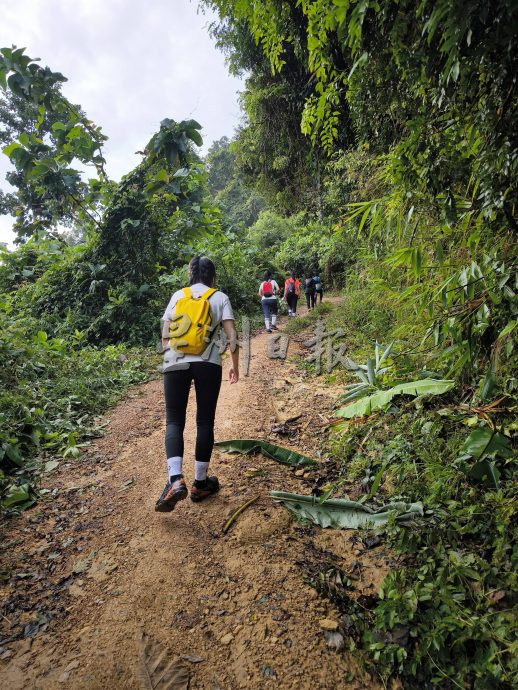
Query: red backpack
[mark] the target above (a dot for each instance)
(267, 289)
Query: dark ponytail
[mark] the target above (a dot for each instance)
(201, 270)
(267, 275)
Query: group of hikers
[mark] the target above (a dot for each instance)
(192, 319)
(269, 292)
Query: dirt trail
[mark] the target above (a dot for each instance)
(95, 565)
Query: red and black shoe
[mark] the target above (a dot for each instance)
(204, 489)
(173, 492)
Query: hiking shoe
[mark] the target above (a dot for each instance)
(268, 330)
(211, 487)
(274, 328)
(173, 492)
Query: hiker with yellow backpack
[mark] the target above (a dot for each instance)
(190, 328)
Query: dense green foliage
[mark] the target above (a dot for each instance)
(414, 205)
(379, 149)
(446, 617)
(47, 135)
(434, 78)
(51, 388)
(240, 205)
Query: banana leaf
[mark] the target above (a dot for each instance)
(484, 442)
(340, 513)
(486, 471)
(381, 399)
(19, 495)
(282, 455)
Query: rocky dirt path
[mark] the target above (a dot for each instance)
(91, 570)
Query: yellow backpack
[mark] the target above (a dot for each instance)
(191, 322)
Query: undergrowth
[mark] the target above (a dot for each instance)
(447, 617)
(298, 324)
(51, 389)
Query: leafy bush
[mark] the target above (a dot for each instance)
(446, 616)
(50, 388)
(29, 262)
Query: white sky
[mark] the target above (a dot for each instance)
(129, 64)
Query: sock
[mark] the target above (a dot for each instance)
(274, 319)
(200, 471)
(267, 323)
(174, 467)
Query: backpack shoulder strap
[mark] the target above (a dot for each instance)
(208, 293)
(187, 292)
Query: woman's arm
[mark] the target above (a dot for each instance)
(165, 324)
(230, 332)
(166, 320)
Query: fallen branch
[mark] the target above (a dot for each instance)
(237, 513)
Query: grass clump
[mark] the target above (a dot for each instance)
(308, 321)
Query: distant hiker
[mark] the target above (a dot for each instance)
(196, 312)
(318, 288)
(268, 291)
(309, 289)
(291, 293)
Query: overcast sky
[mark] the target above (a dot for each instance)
(129, 63)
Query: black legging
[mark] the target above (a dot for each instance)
(311, 299)
(291, 299)
(177, 384)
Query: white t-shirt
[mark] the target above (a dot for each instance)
(275, 287)
(221, 310)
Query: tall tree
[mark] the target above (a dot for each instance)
(271, 151)
(46, 136)
(435, 78)
(240, 203)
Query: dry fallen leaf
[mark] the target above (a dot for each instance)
(156, 670)
(72, 665)
(83, 564)
(495, 597)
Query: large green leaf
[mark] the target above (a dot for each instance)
(381, 399)
(483, 442)
(485, 471)
(162, 175)
(340, 513)
(489, 383)
(14, 454)
(10, 148)
(18, 495)
(282, 455)
(195, 136)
